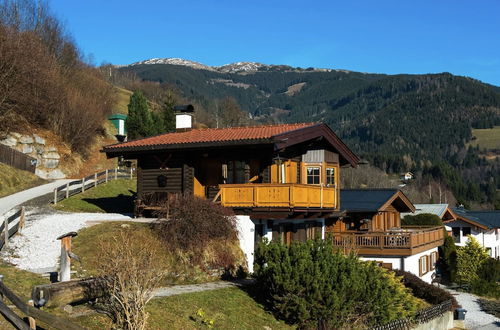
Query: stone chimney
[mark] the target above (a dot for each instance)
(183, 117)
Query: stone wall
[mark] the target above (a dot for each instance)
(47, 156)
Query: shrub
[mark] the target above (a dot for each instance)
(423, 290)
(130, 266)
(424, 219)
(310, 284)
(201, 230)
(490, 270)
(448, 259)
(469, 260)
(484, 288)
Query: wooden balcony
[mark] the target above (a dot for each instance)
(278, 195)
(402, 242)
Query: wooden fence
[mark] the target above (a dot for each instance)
(67, 190)
(423, 316)
(17, 159)
(31, 312)
(6, 232)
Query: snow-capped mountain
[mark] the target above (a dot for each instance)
(237, 67)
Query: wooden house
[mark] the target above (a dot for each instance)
(372, 227)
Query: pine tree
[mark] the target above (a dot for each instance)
(139, 122)
(469, 259)
(167, 111)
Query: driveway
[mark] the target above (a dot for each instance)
(475, 318)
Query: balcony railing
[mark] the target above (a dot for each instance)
(290, 195)
(405, 241)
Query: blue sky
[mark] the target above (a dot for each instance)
(461, 37)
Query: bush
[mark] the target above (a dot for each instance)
(490, 270)
(423, 290)
(424, 219)
(469, 260)
(484, 288)
(310, 283)
(201, 230)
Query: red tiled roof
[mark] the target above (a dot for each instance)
(212, 135)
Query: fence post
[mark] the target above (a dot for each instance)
(67, 190)
(31, 320)
(106, 176)
(6, 231)
(83, 184)
(1, 294)
(21, 219)
(65, 261)
(131, 173)
(116, 173)
(55, 196)
(95, 179)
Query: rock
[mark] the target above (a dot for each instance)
(26, 149)
(9, 141)
(40, 149)
(15, 135)
(56, 174)
(41, 173)
(26, 139)
(50, 149)
(68, 309)
(51, 155)
(39, 139)
(50, 163)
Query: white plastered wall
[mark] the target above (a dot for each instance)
(246, 232)
(183, 121)
(488, 238)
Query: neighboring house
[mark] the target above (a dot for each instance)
(406, 176)
(282, 181)
(372, 228)
(482, 225)
(443, 211)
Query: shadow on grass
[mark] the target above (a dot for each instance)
(122, 204)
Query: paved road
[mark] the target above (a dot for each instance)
(475, 318)
(9, 202)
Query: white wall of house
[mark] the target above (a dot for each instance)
(408, 263)
(246, 232)
(489, 238)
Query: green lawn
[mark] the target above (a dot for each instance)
(230, 308)
(488, 138)
(116, 196)
(13, 180)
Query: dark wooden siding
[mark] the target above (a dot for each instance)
(17, 159)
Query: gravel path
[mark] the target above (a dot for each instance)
(11, 201)
(475, 318)
(37, 249)
(181, 289)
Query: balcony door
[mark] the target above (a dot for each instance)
(236, 171)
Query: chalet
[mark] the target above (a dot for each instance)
(482, 225)
(372, 227)
(443, 211)
(406, 176)
(282, 181)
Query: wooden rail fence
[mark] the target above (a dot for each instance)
(17, 159)
(18, 218)
(67, 190)
(31, 312)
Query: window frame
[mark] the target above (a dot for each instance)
(318, 167)
(423, 261)
(328, 176)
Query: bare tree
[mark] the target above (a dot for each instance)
(131, 266)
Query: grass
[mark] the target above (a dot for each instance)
(488, 138)
(116, 196)
(122, 97)
(230, 308)
(13, 180)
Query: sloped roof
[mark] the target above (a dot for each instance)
(437, 209)
(280, 135)
(485, 219)
(373, 200)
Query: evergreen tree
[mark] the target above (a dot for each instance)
(469, 260)
(139, 123)
(167, 111)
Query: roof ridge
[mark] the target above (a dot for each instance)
(251, 126)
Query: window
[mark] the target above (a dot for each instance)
(330, 176)
(309, 230)
(465, 231)
(313, 175)
(423, 266)
(434, 258)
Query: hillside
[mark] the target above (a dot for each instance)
(397, 122)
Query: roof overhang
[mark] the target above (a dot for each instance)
(469, 221)
(400, 203)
